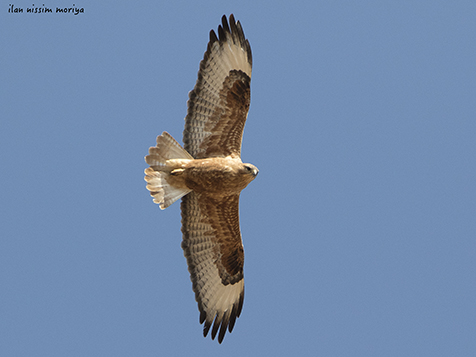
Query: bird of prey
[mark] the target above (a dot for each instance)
(208, 174)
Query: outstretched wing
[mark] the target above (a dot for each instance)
(219, 103)
(214, 251)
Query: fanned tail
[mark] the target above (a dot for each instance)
(162, 159)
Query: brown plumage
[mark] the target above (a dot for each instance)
(208, 174)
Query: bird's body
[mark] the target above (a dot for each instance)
(208, 174)
(215, 176)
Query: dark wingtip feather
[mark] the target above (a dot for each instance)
(221, 34)
(213, 36)
(203, 316)
(233, 317)
(216, 326)
(224, 23)
(224, 325)
(206, 328)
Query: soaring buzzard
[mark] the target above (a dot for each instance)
(207, 173)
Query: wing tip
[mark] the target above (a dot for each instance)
(222, 321)
(231, 29)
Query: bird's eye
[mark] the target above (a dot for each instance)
(249, 169)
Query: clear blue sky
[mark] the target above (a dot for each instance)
(359, 232)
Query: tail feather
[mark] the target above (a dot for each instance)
(167, 148)
(156, 175)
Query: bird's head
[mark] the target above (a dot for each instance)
(250, 170)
